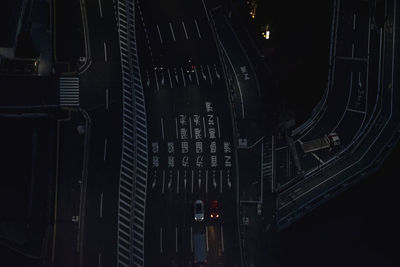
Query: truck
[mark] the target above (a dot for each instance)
(200, 253)
(327, 141)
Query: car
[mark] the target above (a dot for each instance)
(214, 209)
(189, 66)
(198, 210)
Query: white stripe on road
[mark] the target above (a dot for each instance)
(183, 76)
(172, 31)
(192, 180)
(184, 29)
(197, 77)
(190, 127)
(206, 181)
(106, 98)
(318, 158)
(159, 33)
(163, 181)
(355, 110)
(222, 238)
(158, 87)
(204, 127)
(352, 50)
(99, 259)
(354, 21)
(176, 239)
(207, 238)
(220, 181)
(105, 149)
(219, 131)
(101, 206)
(161, 246)
(101, 12)
(169, 75)
(209, 73)
(162, 128)
(105, 51)
(197, 27)
(191, 238)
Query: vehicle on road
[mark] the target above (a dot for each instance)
(200, 253)
(214, 209)
(198, 210)
(328, 141)
(189, 66)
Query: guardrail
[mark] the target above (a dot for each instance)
(133, 171)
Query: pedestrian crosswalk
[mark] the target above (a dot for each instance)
(69, 91)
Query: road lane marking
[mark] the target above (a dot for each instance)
(176, 127)
(169, 75)
(183, 76)
(159, 34)
(176, 238)
(197, 77)
(206, 181)
(105, 51)
(105, 149)
(155, 73)
(172, 31)
(219, 130)
(355, 110)
(222, 238)
(106, 98)
(162, 128)
(99, 258)
(207, 238)
(177, 183)
(101, 206)
(209, 73)
(205, 10)
(184, 29)
(190, 127)
(101, 12)
(352, 50)
(197, 27)
(318, 158)
(191, 238)
(163, 181)
(204, 127)
(354, 21)
(161, 246)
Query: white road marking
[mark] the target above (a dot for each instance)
(101, 206)
(155, 73)
(106, 98)
(191, 238)
(162, 128)
(222, 238)
(197, 27)
(176, 239)
(204, 127)
(318, 158)
(219, 130)
(207, 238)
(197, 77)
(105, 51)
(352, 50)
(172, 31)
(99, 259)
(190, 128)
(161, 246)
(105, 149)
(209, 73)
(159, 34)
(169, 75)
(163, 181)
(184, 29)
(206, 181)
(355, 110)
(101, 12)
(176, 128)
(183, 76)
(354, 21)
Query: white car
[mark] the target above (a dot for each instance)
(198, 210)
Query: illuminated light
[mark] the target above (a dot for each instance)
(217, 216)
(212, 216)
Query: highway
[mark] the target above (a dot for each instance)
(190, 138)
